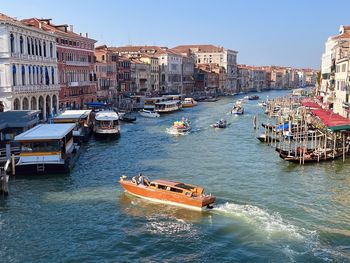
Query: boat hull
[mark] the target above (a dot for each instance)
(32, 169)
(167, 197)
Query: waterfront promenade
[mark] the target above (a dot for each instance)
(267, 209)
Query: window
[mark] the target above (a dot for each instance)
(12, 43)
(53, 76)
(44, 47)
(28, 46)
(14, 75)
(23, 75)
(51, 50)
(163, 187)
(21, 44)
(36, 47)
(40, 52)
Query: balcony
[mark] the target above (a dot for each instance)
(33, 58)
(78, 63)
(35, 88)
(79, 83)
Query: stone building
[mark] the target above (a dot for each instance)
(28, 68)
(75, 56)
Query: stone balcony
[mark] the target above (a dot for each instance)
(29, 57)
(35, 88)
(78, 63)
(79, 83)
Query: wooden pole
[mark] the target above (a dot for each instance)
(13, 164)
(343, 147)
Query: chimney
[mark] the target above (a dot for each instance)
(71, 28)
(86, 35)
(80, 34)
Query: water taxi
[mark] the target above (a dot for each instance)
(47, 149)
(82, 120)
(181, 127)
(221, 124)
(188, 102)
(167, 106)
(168, 192)
(106, 124)
(237, 110)
(149, 114)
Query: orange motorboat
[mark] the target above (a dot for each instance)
(164, 191)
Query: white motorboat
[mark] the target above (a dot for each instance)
(149, 114)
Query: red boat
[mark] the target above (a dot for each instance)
(169, 192)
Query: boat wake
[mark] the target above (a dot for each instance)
(172, 131)
(292, 240)
(272, 225)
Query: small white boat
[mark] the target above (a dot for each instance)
(237, 110)
(149, 114)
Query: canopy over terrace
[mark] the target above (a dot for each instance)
(333, 121)
(310, 103)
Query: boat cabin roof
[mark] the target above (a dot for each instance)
(177, 184)
(168, 102)
(106, 116)
(44, 132)
(73, 114)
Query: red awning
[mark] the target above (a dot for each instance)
(310, 103)
(331, 119)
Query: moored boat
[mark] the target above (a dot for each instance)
(188, 102)
(106, 124)
(47, 149)
(149, 114)
(169, 192)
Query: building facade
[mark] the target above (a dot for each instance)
(28, 68)
(210, 54)
(140, 73)
(75, 56)
(106, 68)
(170, 70)
(154, 70)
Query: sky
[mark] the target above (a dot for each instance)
(264, 32)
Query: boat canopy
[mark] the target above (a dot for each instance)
(44, 132)
(333, 121)
(168, 102)
(106, 116)
(73, 114)
(310, 103)
(96, 104)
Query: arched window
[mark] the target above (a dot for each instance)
(36, 47)
(30, 75)
(40, 53)
(14, 75)
(52, 76)
(23, 75)
(47, 79)
(21, 44)
(28, 46)
(12, 43)
(32, 42)
(51, 50)
(44, 46)
(41, 78)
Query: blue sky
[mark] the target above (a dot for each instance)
(264, 32)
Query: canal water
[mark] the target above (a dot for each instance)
(267, 209)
